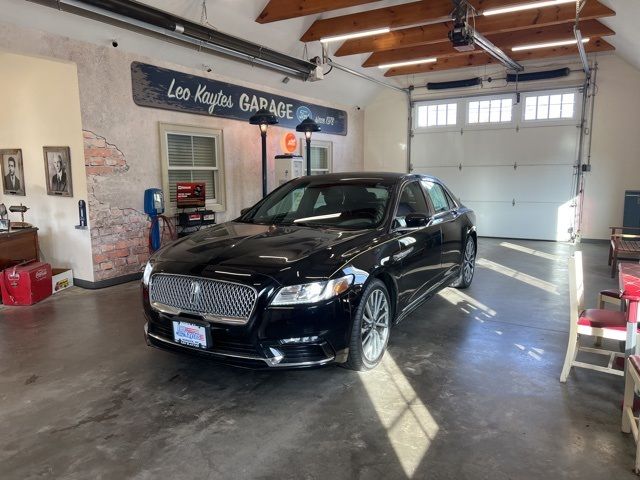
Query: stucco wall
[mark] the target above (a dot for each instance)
(39, 106)
(108, 111)
(385, 138)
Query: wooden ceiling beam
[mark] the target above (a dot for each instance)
(414, 13)
(277, 10)
(393, 17)
(564, 31)
(480, 59)
(509, 22)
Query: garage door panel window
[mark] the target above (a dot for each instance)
(496, 110)
(434, 115)
(192, 154)
(553, 106)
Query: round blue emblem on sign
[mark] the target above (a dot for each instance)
(303, 112)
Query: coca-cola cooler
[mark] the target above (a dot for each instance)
(26, 284)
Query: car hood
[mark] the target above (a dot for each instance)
(289, 254)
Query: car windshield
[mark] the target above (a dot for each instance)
(342, 204)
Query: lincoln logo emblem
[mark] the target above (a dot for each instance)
(194, 292)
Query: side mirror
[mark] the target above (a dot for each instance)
(416, 220)
(244, 210)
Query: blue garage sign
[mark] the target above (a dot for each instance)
(171, 90)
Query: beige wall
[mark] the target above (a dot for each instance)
(385, 132)
(615, 156)
(39, 106)
(128, 136)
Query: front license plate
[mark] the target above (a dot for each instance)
(190, 334)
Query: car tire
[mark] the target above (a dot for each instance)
(369, 338)
(467, 265)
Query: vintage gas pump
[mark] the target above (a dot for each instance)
(154, 207)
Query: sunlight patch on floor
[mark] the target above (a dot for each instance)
(464, 301)
(531, 251)
(522, 277)
(410, 427)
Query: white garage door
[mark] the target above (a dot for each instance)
(512, 163)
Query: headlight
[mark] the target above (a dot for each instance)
(147, 273)
(312, 292)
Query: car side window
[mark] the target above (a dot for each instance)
(437, 196)
(411, 201)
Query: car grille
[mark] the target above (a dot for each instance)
(203, 296)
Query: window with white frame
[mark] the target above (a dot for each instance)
(496, 110)
(437, 115)
(549, 106)
(321, 153)
(192, 154)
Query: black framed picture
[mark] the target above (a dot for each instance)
(57, 165)
(12, 171)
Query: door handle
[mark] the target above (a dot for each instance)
(397, 257)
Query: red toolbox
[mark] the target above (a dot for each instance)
(26, 284)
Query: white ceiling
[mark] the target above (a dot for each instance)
(626, 24)
(237, 17)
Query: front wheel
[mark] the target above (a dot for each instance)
(371, 327)
(468, 265)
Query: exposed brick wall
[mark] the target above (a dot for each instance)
(119, 236)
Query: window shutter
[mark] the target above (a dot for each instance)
(191, 158)
(319, 158)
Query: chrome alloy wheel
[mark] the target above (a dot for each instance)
(469, 261)
(375, 325)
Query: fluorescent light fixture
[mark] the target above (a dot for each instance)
(560, 43)
(349, 36)
(528, 6)
(409, 62)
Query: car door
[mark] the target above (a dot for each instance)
(419, 248)
(446, 215)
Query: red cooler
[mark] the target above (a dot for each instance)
(26, 284)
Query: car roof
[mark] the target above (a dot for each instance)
(385, 177)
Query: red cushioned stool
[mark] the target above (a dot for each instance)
(629, 421)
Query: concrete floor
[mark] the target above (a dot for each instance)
(468, 389)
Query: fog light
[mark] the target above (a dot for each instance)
(313, 338)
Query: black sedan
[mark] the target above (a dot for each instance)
(315, 273)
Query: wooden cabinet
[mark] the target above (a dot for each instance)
(17, 246)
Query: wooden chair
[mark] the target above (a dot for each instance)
(611, 324)
(623, 246)
(611, 296)
(629, 421)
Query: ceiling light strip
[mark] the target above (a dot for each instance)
(528, 6)
(349, 36)
(559, 43)
(408, 62)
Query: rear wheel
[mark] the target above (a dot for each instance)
(371, 327)
(468, 265)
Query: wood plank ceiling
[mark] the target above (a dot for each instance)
(418, 30)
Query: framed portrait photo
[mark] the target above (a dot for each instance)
(12, 171)
(57, 165)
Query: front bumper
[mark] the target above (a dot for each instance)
(286, 337)
(246, 355)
